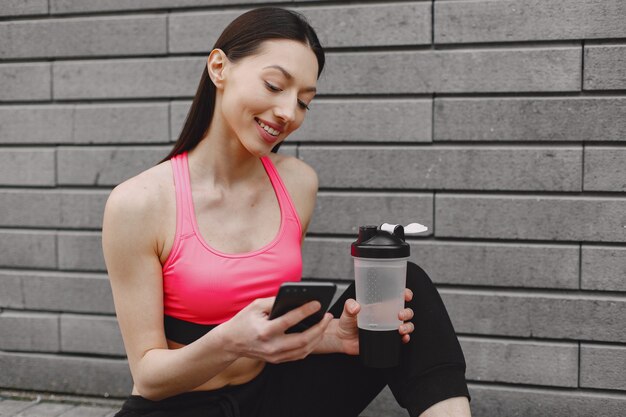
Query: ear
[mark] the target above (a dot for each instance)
(216, 64)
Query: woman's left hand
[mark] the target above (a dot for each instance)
(347, 332)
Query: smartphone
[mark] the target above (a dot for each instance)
(294, 294)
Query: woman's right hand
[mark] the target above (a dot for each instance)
(251, 334)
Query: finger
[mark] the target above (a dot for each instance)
(293, 342)
(406, 314)
(296, 315)
(351, 307)
(406, 338)
(265, 304)
(408, 294)
(406, 328)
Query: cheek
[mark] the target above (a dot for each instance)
(298, 122)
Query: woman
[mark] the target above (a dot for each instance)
(197, 246)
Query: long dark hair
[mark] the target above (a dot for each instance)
(241, 38)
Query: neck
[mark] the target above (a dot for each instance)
(221, 160)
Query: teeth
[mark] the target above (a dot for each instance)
(268, 129)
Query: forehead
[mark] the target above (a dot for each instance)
(295, 57)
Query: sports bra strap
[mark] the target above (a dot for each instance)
(184, 225)
(281, 191)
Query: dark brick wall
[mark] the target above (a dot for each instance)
(501, 125)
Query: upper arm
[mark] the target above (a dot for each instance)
(134, 269)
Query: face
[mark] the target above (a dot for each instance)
(264, 97)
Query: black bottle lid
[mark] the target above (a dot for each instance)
(375, 243)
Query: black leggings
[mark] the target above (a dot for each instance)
(432, 369)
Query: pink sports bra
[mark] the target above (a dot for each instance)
(203, 287)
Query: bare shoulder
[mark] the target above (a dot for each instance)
(296, 173)
(301, 182)
(141, 190)
(140, 201)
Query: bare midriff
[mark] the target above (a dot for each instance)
(239, 372)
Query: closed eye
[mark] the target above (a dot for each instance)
(276, 89)
(271, 87)
(303, 105)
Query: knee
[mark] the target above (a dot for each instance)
(417, 280)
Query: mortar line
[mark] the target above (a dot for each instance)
(432, 23)
(580, 266)
(579, 355)
(167, 33)
(582, 66)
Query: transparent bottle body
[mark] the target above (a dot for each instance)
(379, 285)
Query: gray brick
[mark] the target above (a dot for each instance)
(115, 123)
(37, 332)
(11, 290)
(521, 361)
(80, 6)
(351, 25)
(605, 67)
(30, 208)
(9, 408)
(25, 82)
(486, 70)
(66, 291)
(85, 124)
(603, 366)
(81, 251)
(85, 36)
(128, 78)
(337, 212)
(572, 317)
(82, 208)
(525, 217)
(396, 120)
(507, 265)
(105, 165)
(25, 248)
(396, 24)
(32, 167)
(91, 334)
(499, 264)
(454, 167)
(24, 7)
(68, 374)
(89, 411)
(291, 150)
(605, 169)
(53, 208)
(37, 124)
(494, 401)
(327, 258)
(45, 409)
(528, 20)
(530, 119)
(603, 268)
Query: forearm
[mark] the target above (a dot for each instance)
(162, 373)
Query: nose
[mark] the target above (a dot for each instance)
(286, 110)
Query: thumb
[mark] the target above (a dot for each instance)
(351, 307)
(265, 304)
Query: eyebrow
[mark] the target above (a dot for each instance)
(289, 76)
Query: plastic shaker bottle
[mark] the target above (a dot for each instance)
(380, 262)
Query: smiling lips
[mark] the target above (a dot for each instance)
(269, 131)
(274, 126)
